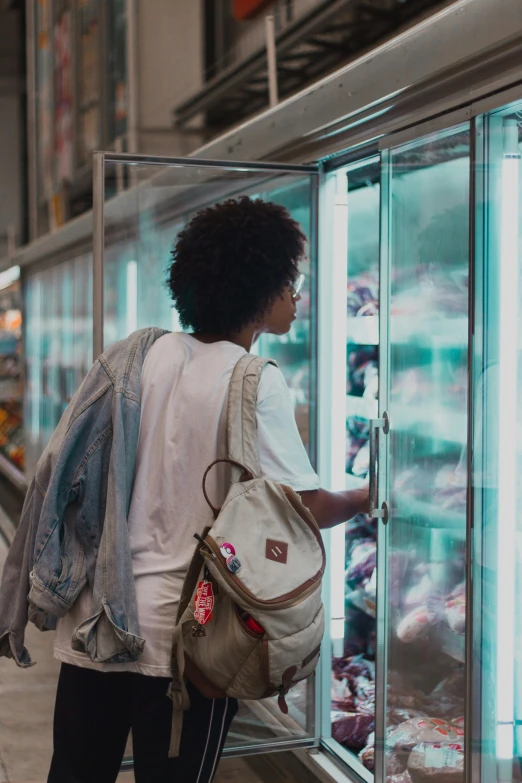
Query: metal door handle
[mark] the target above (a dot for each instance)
(376, 424)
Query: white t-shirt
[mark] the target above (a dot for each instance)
(184, 390)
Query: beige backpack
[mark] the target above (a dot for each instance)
(251, 619)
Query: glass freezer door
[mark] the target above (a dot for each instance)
(420, 440)
(133, 236)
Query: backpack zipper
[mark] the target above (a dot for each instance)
(288, 600)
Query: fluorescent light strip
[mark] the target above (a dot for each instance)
(132, 296)
(338, 400)
(507, 460)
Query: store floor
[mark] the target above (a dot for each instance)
(26, 709)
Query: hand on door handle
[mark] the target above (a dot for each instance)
(376, 424)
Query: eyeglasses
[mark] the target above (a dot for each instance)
(296, 289)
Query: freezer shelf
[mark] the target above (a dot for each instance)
(437, 333)
(363, 330)
(426, 515)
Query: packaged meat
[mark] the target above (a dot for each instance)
(398, 715)
(394, 765)
(353, 667)
(353, 731)
(456, 609)
(367, 754)
(362, 562)
(343, 699)
(361, 462)
(402, 777)
(415, 624)
(435, 763)
(417, 731)
(447, 698)
(361, 526)
(419, 593)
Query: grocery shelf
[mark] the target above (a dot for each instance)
(436, 333)
(363, 330)
(354, 482)
(361, 406)
(360, 599)
(422, 514)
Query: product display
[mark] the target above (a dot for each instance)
(11, 398)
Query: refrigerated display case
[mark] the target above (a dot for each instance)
(117, 59)
(44, 98)
(11, 384)
(63, 89)
(497, 446)
(79, 84)
(90, 107)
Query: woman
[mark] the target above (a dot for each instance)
(233, 277)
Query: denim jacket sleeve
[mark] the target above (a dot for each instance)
(30, 588)
(15, 581)
(111, 633)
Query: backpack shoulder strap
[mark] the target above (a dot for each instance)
(242, 400)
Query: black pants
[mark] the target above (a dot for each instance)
(96, 710)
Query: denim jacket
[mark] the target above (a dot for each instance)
(73, 528)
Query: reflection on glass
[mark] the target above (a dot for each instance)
(428, 331)
(58, 346)
(140, 229)
(497, 443)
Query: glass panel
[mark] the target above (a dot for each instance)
(427, 214)
(140, 229)
(58, 346)
(497, 441)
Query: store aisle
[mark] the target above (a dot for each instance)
(26, 710)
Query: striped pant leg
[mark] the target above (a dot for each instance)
(205, 728)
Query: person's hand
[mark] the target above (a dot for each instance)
(361, 499)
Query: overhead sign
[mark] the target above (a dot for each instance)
(246, 9)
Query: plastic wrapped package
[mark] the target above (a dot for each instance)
(361, 461)
(456, 609)
(402, 777)
(403, 738)
(416, 624)
(367, 754)
(363, 297)
(362, 562)
(435, 763)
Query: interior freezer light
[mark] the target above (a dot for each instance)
(338, 401)
(132, 297)
(507, 450)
